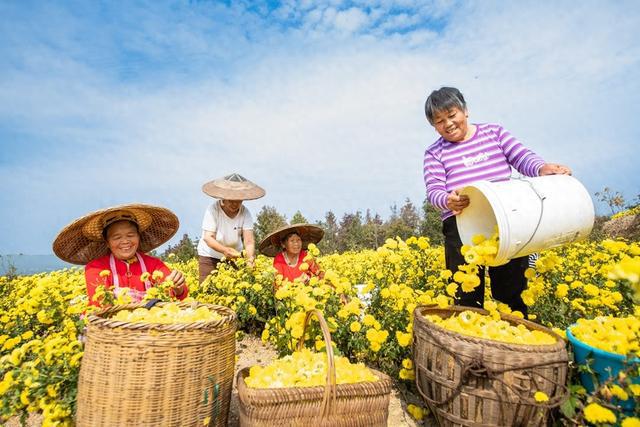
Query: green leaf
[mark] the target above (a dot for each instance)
(568, 407)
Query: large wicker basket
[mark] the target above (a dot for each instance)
(468, 381)
(363, 404)
(145, 374)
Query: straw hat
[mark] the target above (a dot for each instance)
(233, 187)
(82, 241)
(272, 244)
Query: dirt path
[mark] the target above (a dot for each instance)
(251, 351)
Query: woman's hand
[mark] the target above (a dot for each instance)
(456, 202)
(305, 278)
(554, 169)
(230, 253)
(178, 282)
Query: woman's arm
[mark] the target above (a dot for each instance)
(554, 169)
(526, 161)
(435, 181)
(315, 270)
(93, 280)
(249, 245)
(520, 157)
(210, 239)
(180, 289)
(279, 265)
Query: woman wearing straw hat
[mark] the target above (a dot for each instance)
(227, 227)
(112, 243)
(288, 247)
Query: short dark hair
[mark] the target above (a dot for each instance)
(106, 229)
(443, 99)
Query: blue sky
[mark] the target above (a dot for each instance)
(320, 102)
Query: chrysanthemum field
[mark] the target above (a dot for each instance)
(367, 297)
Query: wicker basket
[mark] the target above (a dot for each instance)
(363, 404)
(145, 374)
(468, 381)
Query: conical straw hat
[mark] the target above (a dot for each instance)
(82, 241)
(272, 244)
(233, 187)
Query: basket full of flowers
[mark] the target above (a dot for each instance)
(308, 388)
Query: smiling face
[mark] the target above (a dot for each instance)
(123, 239)
(452, 124)
(292, 244)
(231, 207)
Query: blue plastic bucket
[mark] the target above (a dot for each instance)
(604, 364)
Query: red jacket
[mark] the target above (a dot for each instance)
(128, 274)
(292, 272)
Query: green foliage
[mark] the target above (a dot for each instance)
(373, 231)
(8, 268)
(431, 224)
(268, 220)
(298, 218)
(182, 251)
(355, 232)
(329, 244)
(403, 224)
(351, 233)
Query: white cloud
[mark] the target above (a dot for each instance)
(399, 21)
(350, 20)
(321, 120)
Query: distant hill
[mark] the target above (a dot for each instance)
(31, 264)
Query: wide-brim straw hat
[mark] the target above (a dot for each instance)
(233, 187)
(81, 241)
(272, 244)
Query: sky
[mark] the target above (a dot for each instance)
(319, 102)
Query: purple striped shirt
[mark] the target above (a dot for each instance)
(488, 155)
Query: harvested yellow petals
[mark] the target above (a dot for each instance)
(167, 314)
(306, 369)
(618, 335)
(485, 326)
(483, 251)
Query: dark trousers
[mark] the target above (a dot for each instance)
(206, 265)
(507, 281)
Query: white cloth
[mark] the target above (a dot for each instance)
(228, 231)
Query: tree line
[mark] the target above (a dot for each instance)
(354, 231)
(358, 230)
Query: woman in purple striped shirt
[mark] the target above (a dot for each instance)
(465, 153)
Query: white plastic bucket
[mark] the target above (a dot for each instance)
(532, 214)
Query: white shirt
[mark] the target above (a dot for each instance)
(228, 231)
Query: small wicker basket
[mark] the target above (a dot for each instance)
(363, 404)
(149, 374)
(469, 381)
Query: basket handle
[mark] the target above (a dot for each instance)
(330, 386)
(151, 303)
